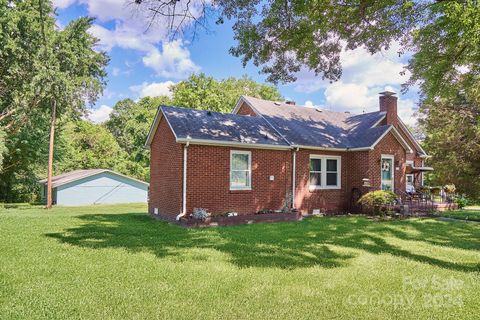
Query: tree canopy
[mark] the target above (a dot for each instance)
(203, 92)
(285, 37)
(39, 64)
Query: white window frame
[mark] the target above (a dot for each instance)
(323, 181)
(392, 157)
(406, 179)
(249, 153)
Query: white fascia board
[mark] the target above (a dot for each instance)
(153, 128)
(55, 185)
(405, 129)
(397, 136)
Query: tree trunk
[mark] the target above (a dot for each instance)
(50, 155)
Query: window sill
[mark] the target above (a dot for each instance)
(240, 189)
(313, 189)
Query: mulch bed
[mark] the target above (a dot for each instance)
(229, 221)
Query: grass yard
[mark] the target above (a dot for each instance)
(115, 262)
(469, 214)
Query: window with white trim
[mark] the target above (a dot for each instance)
(325, 172)
(240, 170)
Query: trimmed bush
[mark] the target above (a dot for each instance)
(376, 201)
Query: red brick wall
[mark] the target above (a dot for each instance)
(208, 180)
(306, 200)
(357, 168)
(245, 110)
(166, 168)
(208, 177)
(389, 145)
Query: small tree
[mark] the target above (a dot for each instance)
(375, 201)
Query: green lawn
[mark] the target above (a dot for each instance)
(461, 214)
(115, 262)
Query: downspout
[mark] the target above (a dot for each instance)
(184, 183)
(294, 163)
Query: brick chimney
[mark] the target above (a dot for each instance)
(388, 104)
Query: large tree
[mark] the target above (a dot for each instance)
(85, 145)
(42, 69)
(129, 123)
(203, 92)
(453, 141)
(284, 36)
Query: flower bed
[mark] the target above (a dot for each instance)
(240, 219)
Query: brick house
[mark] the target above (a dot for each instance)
(267, 153)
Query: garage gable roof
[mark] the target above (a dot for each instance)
(75, 175)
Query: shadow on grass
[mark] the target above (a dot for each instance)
(279, 245)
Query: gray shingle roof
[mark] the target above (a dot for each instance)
(215, 126)
(75, 175)
(320, 128)
(280, 125)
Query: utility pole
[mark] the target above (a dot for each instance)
(50, 154)
(54, 112)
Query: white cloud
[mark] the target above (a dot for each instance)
(169, 59)
(360, 98)
(364, 76)
(347, 96)
(62, 4)
(101, 114)
(361, 68)
(173, 62)
(153, 89)
(310, 104)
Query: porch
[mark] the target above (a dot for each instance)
(424, 201)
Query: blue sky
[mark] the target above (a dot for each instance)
(147, 62)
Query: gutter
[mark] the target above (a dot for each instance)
(206, 142)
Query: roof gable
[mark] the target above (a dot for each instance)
(278, 125)
(76, 175)
(412, 139)
(303, 126)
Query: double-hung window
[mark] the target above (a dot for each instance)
(240, 170)
(325, 172)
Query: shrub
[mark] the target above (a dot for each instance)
(200, 213)
(376, 201)
(461, 201)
